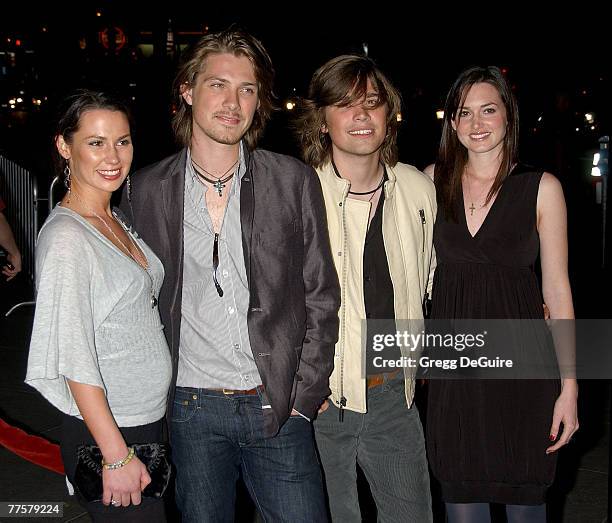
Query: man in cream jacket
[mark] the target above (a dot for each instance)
(380, 215)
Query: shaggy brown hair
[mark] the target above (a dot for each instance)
(343, 81)
(238, 43)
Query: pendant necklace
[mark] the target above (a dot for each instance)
(472, 207)
(143, 267)
(219, 183)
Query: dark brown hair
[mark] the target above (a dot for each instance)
(452, 155)
(238, 43)
(343, 81)
(71, 110)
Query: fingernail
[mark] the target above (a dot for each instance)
(552, 437)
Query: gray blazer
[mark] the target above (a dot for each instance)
(293, 286)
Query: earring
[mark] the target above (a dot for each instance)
(67, 181)
(129, 188)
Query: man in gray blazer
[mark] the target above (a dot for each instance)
(250, 297)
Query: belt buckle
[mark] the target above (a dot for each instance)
(228, 392)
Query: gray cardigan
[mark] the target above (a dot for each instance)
(94, 323)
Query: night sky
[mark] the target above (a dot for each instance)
(559, 70)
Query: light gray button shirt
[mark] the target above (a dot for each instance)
(215, 351)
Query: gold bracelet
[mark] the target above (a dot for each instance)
(121, 463)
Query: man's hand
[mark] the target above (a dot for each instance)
(324, 406)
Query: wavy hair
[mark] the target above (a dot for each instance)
(236, 42)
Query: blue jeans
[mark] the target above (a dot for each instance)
(388, 444)
(214, 437)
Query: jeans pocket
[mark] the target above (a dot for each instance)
(183, 410)
(397, 385)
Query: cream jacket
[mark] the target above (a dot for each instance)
(409, 212)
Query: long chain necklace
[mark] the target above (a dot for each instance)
(145, 267)
(219, 183)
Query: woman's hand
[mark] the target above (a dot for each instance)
(124, 485)
(566, 413)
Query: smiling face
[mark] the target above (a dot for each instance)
(357, 129)
(100, 151)
(224, 99)
(481, 121)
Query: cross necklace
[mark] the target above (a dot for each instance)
(219, 183)
(472, 207)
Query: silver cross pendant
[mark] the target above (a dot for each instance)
(219, 186)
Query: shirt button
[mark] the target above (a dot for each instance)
(230, 310)
(237, 346)
(246, 378)
(195, 397)
(225, 274)
(340, 254)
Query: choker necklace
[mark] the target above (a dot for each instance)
(382, 180)
(143, 267)
(219, 183)
(372, 192)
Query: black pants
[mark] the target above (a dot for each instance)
(76, 433)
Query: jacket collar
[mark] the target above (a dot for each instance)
(177, 166)
(340, 186)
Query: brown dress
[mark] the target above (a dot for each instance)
(486, 439)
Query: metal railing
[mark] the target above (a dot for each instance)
(19, 191)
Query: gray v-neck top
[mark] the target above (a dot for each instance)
(94, 323)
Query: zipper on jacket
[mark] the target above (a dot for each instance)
(341, 409)
(343, 301)
(426, 303)
(422, 215)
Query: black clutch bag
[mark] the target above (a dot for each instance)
(88, 473)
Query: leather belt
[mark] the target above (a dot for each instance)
(378, 379)
(237, 392)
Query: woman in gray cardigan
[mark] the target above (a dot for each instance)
(98, 352)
